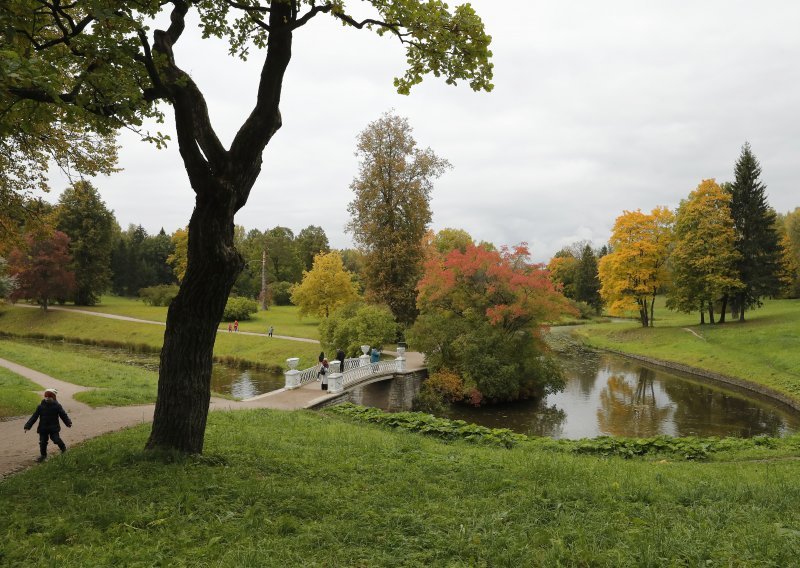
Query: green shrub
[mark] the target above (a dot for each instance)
(431, 426)
(161, 295)
(281, 293)
(239, 309)
(358, 324)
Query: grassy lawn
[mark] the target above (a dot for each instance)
(283, 318)
(765, 349)
(17, 396)
(118, 384)
(269, 353)
(318, 490)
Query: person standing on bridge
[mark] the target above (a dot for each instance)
(47, 413)
(323, 370)
(374, 357)
(340, 356)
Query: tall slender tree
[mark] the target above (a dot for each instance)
(95, 64)
(757, 241)
(391, 211)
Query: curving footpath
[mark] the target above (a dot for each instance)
(19, 449)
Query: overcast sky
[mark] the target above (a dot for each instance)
(598, 107)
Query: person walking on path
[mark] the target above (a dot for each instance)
(340, 356)
(269, 332)
(235, 326)
(230, 327)
(321, 358)
(47, 413)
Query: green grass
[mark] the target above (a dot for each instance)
(117, 384)
(284, 319)
(17, 396)
(319, 490)
(765, 349)
(229, 348)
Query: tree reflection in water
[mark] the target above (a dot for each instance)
(632, 410)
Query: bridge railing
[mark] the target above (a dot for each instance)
(308, 375)
(355, 370)
(359, 374)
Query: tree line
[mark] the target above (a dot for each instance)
(720, 252)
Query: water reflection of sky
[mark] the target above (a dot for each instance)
(606, 395)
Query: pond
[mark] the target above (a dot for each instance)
(608, 395)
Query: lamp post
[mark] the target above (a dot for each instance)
(263, 295)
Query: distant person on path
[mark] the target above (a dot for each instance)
(47, 413)
(230, 327)
(235, 326)
(341, 357)
(374, 358)
(269, 332)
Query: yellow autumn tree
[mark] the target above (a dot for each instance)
(178, 260)
(635, 270)
(704, 256)
(325, 287)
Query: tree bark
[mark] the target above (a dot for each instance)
(711, 312)
(702, 312)
(723, 309)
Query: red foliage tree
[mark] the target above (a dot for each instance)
(42, 270)
(481, 312)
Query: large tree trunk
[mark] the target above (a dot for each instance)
(711, 312)
(221, 180)
(184, 384)
(702, 312)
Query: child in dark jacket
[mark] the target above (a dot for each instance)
(48, 412)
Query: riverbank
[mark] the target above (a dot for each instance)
(301, 488)
(243, 348)
(761, 354)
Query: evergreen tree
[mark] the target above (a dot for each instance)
(83, 216)
(757, 241)
(587, 280)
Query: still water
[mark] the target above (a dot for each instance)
(607, 395)
(604, 395)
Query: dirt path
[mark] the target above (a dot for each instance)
(19, 449)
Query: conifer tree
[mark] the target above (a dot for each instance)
(757, 241)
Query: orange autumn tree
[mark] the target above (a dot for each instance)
(634, 272)
(481, 314)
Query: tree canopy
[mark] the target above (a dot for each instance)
(703, 259)
(42, 270)
(391, 211)
(325, 287)
(636, 268)
(480, 317)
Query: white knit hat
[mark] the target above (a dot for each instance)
(54, 391)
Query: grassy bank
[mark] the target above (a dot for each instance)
(764, 350)
(320, 490)
(117, 384)
(232, 348)
(283, 318)
(17, 396)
